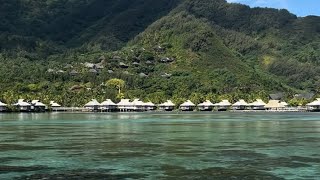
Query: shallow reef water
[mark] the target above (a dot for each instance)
(160, 146)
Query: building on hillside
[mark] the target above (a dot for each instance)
(240, 105)
(206, 106)
(73, 73)
(306, 96)
(167, 106)
(187, 106)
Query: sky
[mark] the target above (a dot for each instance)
(299, 7)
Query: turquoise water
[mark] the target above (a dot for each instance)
(160, 146)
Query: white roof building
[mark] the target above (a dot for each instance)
(207, 103)
(54, 104)
(223, 103)
(108, 102)
(2, 104)
(241, 102)
(169, 103)
(22, 103)
(92, 103)
(188, 103)
(37, 103)
(258, 103)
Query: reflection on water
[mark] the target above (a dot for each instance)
(160, 145)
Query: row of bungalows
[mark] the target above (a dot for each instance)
(225, 105)
(124, 105)
(33, 106)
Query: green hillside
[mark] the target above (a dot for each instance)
(179, 49)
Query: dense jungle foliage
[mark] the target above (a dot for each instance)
(66, 50)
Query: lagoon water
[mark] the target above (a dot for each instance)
(160, 146)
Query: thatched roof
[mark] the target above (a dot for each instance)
(37, 103)
(2, 104)
(137, 102)
(223, 103)
(149, 104)
(167, 104)
(92, 103)
(273, 104)
(54, 104)
(188, 103)
(207, 103)
(241, 102)
(108, 102)
(21, 102)
(124, 102)
(315, 103)
(257, 103)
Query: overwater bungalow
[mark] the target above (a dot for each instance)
(108, 105)
(38, 106)
(167, 106)
(206, 106)
(150, 106)
(55, 106)
(240, 105)
(124, 105)
(257, 105)
(274, 105)
(224, 105)
(93, 105)
(187, 106)
(23, 106)
(314, 106)
(3, 107)
(138, 105)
